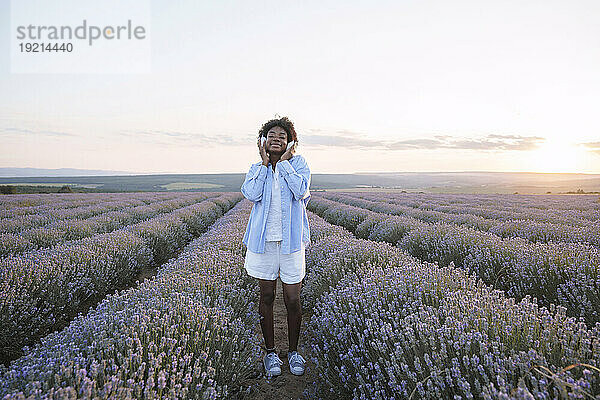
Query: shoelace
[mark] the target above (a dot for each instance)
(274, 358)
(296, 358)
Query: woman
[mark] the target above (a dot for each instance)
(278, 233)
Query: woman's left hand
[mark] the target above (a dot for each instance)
(289, 153)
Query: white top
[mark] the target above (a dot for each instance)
(274, 214)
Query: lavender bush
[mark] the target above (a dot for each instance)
(391, 326)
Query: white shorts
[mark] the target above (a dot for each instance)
(271, 264)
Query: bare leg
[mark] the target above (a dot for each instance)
(291, 297)
(265, 309)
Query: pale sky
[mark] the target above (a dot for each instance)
(370, 86)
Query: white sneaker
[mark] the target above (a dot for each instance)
(272, 364)
(296, 363)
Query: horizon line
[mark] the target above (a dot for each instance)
(312, 173)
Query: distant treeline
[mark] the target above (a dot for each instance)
(26, 189)
(580, 191)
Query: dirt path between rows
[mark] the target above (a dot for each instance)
(285, 386)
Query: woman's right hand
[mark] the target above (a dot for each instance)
(263, 152)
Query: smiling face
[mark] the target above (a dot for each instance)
(276, 140)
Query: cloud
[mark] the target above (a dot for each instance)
(416, 144)
(342, 132)
(498, 142)
(189, 139)
(339, 141)
(21, 131)
(346, 132)
(489, 142)
(592, 146)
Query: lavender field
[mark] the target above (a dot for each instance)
(410, 296)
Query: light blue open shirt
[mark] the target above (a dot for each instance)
(295, 194)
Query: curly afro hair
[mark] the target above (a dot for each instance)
(282, 122)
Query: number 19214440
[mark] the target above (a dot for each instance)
(45, 47)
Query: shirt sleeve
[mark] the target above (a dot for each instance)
(253, 185)
(298, 179)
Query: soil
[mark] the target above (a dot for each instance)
(287, 385)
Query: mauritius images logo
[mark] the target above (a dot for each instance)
(84, 32)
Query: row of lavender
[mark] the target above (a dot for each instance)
(550, 202)
(386, 325)
(186, 333)
(586, 204)
(534, 231)
(577, 210)
(85, 222)
(565, 274)
(23, 204)
(57, 205)
(42, 290)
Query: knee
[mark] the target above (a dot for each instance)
(292, 302)
(267, 298)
